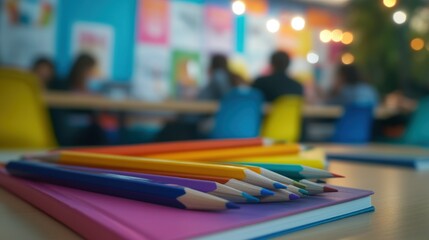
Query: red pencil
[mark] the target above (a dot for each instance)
(170, 147)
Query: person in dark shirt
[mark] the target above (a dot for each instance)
(278, 83)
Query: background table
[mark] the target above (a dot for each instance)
(67, 100)
(401, 200)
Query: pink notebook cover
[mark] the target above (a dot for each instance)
(97, 216)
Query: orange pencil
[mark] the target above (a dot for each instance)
(230, 153)
(170, 147)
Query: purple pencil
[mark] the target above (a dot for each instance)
(210, 187)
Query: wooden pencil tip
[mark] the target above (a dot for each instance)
(337, 175)
(329, 189)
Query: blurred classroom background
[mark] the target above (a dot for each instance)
(107, 72)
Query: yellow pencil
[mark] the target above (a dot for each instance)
(231, 153)
(311, 158)
(121, 162)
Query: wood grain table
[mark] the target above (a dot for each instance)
(401, 200)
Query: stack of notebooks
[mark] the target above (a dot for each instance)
(211, 189)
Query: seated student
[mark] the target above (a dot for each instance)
(44, 69)
(83, 71)
(221, 79)
(278, 83)
(84, 127)
(350, 88)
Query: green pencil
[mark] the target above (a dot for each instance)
(295, 171)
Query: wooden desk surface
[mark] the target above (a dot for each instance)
(70, 100)
(401, 200)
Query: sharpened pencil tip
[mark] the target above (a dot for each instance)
(329, 189)
(249, 197)
(293, 197)
(303, 191)
(266, 192)
(337, 175)
(230, 205)
(279, 185)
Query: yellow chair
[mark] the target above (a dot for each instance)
(24, 122)
(284, 120)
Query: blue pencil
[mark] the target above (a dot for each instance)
(120, 186)
(210, 187)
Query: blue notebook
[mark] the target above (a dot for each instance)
(415, 162)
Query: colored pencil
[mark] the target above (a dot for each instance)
(248, 188)
(295, 171)
(210, 187)
(169, 147)
(272, 175)
(230, 182)
(281, 195)
(298, 191)
(315, 188)
(314, 157)
(171, 166)
(230, 153)
(120, 186)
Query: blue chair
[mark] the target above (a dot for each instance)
(417, 132)
(355, 126)
(239, 115)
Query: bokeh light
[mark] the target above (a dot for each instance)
(312, 58)
(417, 44)
(347, 58)
(325, 36)
(238, 7)
(298, 23)
(389, 3)
(347, 38)
(399, 17)
(337, 35)
(273, 25)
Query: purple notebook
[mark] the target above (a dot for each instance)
(97, 216)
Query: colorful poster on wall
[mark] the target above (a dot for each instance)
(186, 74)
(218, 35)
(187, 24)
(153, 21)
(259, 44)
(95, 39)
(321, 18)
(27, 31)
(259, 7)
(297, 43)
(151, 73)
